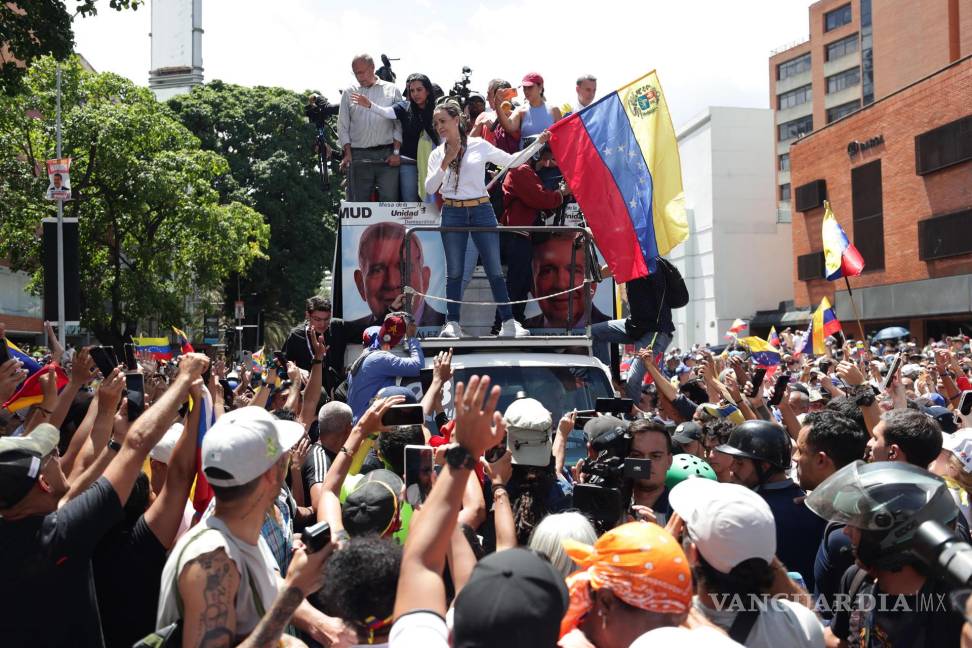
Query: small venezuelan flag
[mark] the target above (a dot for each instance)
(762, 352)
(157, 347)
(774, 338)
(823, 324)
(184, 343)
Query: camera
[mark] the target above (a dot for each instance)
(460, 89)
(318, 110)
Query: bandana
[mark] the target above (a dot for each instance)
(640, 562)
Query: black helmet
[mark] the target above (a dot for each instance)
(759, 441)
(887, 501)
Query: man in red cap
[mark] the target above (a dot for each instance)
(379, 367)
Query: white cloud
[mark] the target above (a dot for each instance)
(706, 52)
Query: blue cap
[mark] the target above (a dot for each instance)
(397, 390)
(682, 369)
(936, 399)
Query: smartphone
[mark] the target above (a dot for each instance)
(408, 414)
(582, 417)
(208, 374)
(965, 403)
(892, 370)
(135, 387)
(420, 472)
(4, 353)
(779, 388)
(130, 362)
(617, 406)
(637, 468)
(505, 94)
(757, 381)
(103, 360)
(316, 536)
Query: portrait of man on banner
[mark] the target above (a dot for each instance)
(59, 179)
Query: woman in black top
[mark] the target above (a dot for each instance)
(418, 135)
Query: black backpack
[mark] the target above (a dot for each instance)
(676, 292)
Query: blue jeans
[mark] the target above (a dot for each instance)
(472, 256)
(614, 331)
(487, 242)
(408, 182)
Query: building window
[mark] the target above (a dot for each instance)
(944, 146)
(842, 80)
(785, 192)
(835, 113)
(841, 48)
(793, 67)
(945, 235)
(796, 128)
(810, 266)
(867, 57)
(837, 18)
(793, 98)
(784, 162)
(868, 207)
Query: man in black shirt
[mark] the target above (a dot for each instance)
(48, 594)
(298, 348)
(334, 425)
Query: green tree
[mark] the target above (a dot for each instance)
(154, 230)
(270, 147)
(30, 29)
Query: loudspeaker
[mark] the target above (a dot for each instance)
(72, 272)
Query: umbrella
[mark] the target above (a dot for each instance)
(891, 333)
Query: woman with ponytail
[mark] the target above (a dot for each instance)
(418, 134)
(457, 169)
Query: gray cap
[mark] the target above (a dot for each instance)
(528, 425)
(244, 444)
(20, 461)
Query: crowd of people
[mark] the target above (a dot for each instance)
(294, 501)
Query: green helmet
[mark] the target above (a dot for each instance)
(685, 466)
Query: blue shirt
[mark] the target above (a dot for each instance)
(798, 529)
(381, 369)
(534, 121)
(834, 556)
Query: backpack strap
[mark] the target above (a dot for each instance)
(857, 582)
(742, 625)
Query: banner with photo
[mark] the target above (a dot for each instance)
(59, 179)
(369, 266)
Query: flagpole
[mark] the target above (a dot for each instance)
(857, 315)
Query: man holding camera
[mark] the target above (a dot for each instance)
(370, 142)
(650, 440)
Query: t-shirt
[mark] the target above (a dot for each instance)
(127, 567)
(925, 619)
(419, 629)
(834, 556)
(253, 562)
(315, 467)
(798, 529)
(780, 623)
(47, 596)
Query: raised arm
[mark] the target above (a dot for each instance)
(420, 583)
(80, 376)
(312, 393)
(499, 473)
(441, 374)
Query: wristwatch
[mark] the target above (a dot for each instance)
(458, 457)
(113, 445)
(316, 361)
(396, 152)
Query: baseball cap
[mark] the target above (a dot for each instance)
(372, 507)
(514, 598)
(910, 370)
(244, 444)
(727, 522)
(528, 425)
(392, 330)
(532, 78)
(959, 443)
(20, 461)
(687, 432)
(398, 390)
(601, 425)
(162, 451)
(936, 399)
(944, 416)
(682, 369)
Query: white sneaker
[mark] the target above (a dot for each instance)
(451, 330)
(512, 328)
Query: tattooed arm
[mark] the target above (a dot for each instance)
(208, 587)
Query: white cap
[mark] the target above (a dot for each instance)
(727, 522)
(244, 444)
(528, 425)
(162, 452)
(679, 636)
(959, 443)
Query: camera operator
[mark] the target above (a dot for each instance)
(649, 497)
(894, 597)
(371, 143)
(524, 196)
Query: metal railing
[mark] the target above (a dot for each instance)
(591, 271)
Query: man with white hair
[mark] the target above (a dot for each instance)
(333, 426)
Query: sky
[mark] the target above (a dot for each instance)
(706, 52)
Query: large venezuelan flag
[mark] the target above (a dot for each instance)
(159, 347)
(620, 157)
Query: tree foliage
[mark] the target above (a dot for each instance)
(154, 230)
(270, 146)
(30, 29)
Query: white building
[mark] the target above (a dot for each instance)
(738, 257)
(176, 47)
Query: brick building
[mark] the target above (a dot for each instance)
(898, 175)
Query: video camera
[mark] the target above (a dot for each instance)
(385, 72)
(609, 479)
(318, 109)
(460, 89)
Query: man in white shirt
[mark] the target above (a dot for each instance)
(370, 142)
(586, 90)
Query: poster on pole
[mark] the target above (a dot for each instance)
(59, 179)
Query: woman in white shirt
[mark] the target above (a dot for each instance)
(457, 169)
